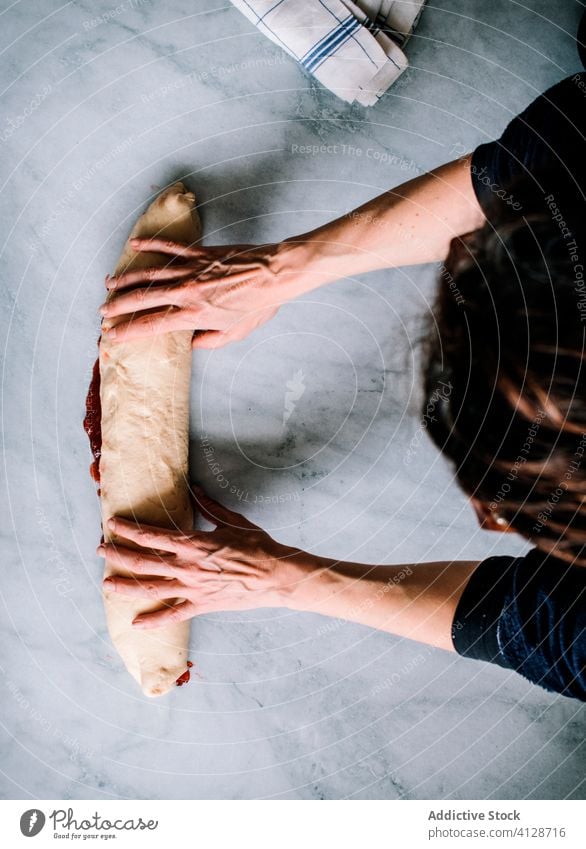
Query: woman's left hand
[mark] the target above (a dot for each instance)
(222, 293)
(237, 566)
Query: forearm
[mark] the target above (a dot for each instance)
(411, 224)
(417, 601)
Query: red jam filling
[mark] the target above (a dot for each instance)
(92, 423)
(183, 679)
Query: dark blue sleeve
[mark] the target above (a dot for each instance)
(541, 150)
(527, 614)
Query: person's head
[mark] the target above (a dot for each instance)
(505, 375)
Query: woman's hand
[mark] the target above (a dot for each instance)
(222, 293)
(237, 566)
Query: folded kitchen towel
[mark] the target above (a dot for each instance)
(396, 17)
(348, 46)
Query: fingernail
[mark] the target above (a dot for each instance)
(110, 282)
(108, 582)
(138, 623)
(100, 549)
(112, 333)
(135, 242)
(111, 523)
(103, 309)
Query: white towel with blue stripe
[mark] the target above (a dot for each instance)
(398, 17)
(347, 46)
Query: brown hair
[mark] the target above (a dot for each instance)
(509, 341)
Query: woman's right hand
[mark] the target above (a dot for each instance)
(222, 293)
(237, 566)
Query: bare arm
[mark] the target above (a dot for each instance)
(225, 292)
(417, 601)
(409, 225)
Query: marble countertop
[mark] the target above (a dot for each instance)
(103, 104)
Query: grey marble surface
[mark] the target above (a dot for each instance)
(104, 103)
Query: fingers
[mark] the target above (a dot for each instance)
(140, 327)
(147, 536)
(166, 616)
(211, 339)
(147, 275)
(142, 299)
(153, 589)
(138, 562)
(216, 513)
(164, 565)
(165, 246)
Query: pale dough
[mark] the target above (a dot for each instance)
(145, 440)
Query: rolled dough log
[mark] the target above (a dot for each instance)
(144, 393)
